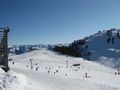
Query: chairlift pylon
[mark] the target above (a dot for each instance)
(4, 48)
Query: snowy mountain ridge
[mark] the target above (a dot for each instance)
(104, 47)
(20, 49)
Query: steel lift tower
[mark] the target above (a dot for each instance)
(4, 48)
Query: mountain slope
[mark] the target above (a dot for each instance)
(56, 72)
(105, 47)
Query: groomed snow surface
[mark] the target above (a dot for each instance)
(56, 72)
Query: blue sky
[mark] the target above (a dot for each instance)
(57, 21)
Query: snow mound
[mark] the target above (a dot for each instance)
(12, 81)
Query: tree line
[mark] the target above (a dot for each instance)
(73, 49)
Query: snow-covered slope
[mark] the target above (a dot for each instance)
(105, 47)
(12, 81)
(55, 72)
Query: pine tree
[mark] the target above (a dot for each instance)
(113, 40)
(108, 40)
